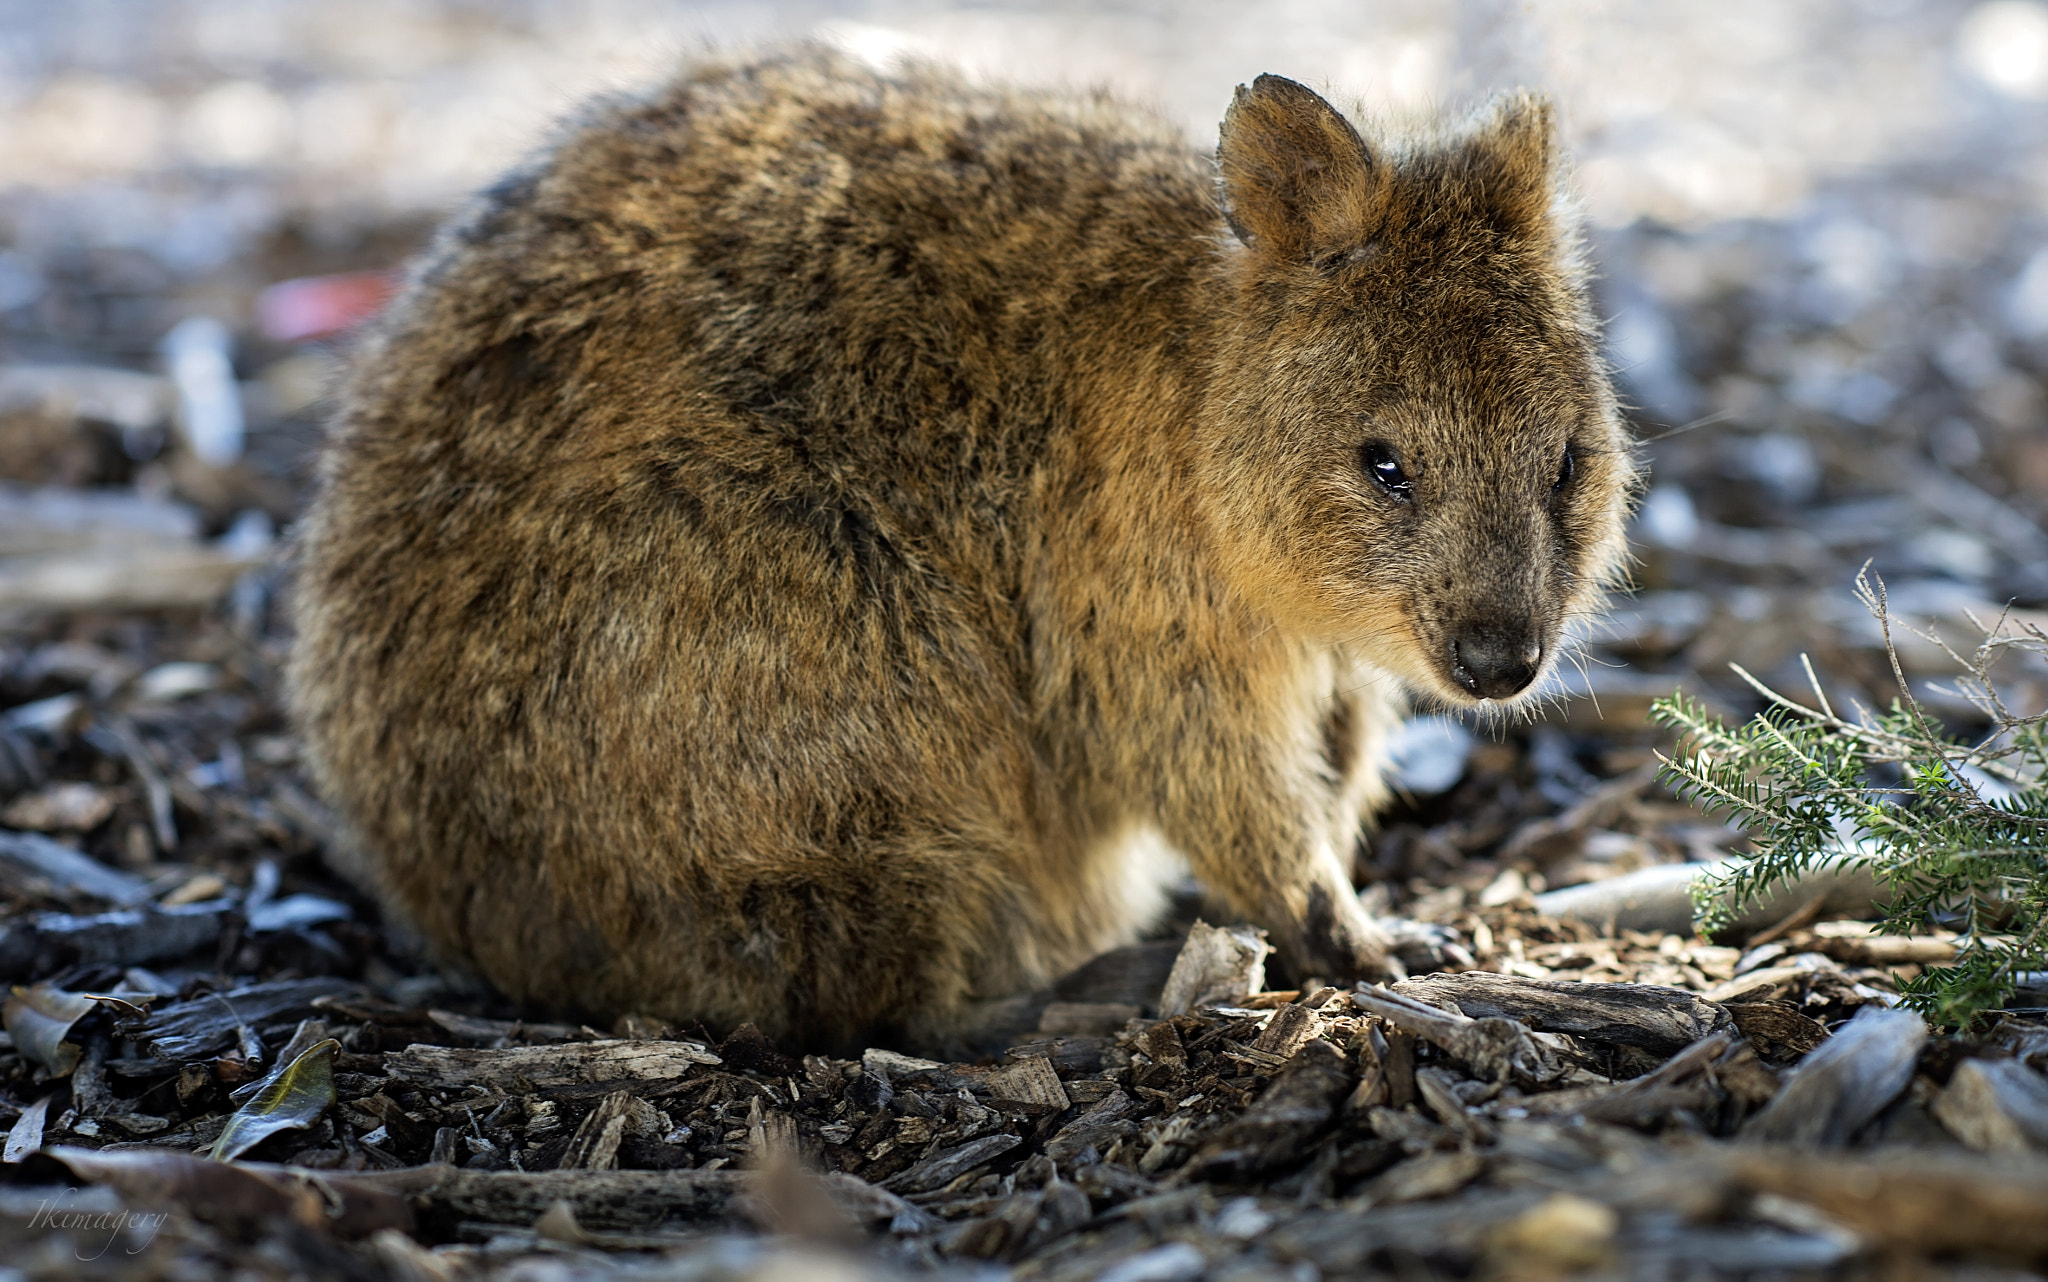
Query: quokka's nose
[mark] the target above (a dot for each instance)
(1494, 664)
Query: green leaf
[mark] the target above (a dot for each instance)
(292, 1099)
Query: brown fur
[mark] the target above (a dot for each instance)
(785, 544)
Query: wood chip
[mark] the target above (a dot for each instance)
(1343, 1243)
(1495, 1047)
(1431, 1175)
(27, 857)
(1682, 1083)
(1292, 1027)
(1660, 1020)
(1085, 1019)
(131, 937)
(1659, 898)
(570, 1064)
(1917, 1200)
(1839, 1088)
(1217, 966)
(485, 1032)
(1298, 1105)
(771, 1136)
(1857, 943)
(63, 807)
(205, 1025)
(1769, 982)
(947, 1165)
(1437, 1086)
(1030, 1081)
(1098, 1128)
(597, 1199)
(1996, 1106)
(1779, 1028)
(595, 1145)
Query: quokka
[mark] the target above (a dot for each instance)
(785, 545)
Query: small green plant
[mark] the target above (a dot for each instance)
(1955, 832)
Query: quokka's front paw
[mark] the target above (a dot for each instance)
(1338, 941)
(1341, 942)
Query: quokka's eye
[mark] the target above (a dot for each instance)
(1384, 467)
(1564, 470)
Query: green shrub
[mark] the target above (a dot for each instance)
(1956, 833)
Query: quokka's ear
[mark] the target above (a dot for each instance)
(1298, 181)
(1515, 150)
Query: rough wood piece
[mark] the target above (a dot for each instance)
(1777, 1027)
(1437, 1088)
(571, 1064)
(1431, 1175)
(1369, 1051)
(1495, 1048)
(1030, 1081)
(160, 577)
(1292, 1027)
(1299, 1105)
(889, 1065)
(871, 1205)
(1920, 1200)
(1342, 1243)
(1768, 983)
(1561, 1236)
(26, 856)
(1217, 966)
(487, 1032)
(947, 1165)
(1996, 1106)
(1070, 1056)
(1659, 899)
(205, 1025)
(1839, 1088)
(771, 1137)
(56, 518)
(1857, 943)
(1660, 1020)
(1398, 1064)
(1085, 1019)
(132, 937)
(1680, 1084)
(595, 1145)
(598, 1199)
(1098, 1128)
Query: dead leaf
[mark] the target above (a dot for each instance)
(293, 1099)
(38, 1017)
(242, 1195)
(27, 1135)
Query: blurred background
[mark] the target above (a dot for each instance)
(1822, 228)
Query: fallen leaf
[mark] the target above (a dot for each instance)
(27, 1135)
(293, 1099)
(244, 1196)
(38, 1017)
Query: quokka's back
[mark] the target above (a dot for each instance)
(785, 544)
